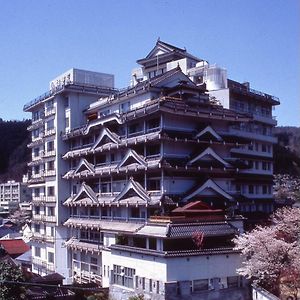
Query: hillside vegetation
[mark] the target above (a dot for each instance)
(287, 151)
(14, 153)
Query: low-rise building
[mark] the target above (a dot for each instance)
(12, 194)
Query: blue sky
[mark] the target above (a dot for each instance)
(256, 41)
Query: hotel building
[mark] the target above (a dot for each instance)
(148, 181)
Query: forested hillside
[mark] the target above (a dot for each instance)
(14, 153)
(287, 151)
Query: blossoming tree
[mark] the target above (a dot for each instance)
(272, 254)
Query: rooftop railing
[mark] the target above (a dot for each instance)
(71, 85)
(246, 90)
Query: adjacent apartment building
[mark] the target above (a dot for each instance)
(12, 195)
(141, 189)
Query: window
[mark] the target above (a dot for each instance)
(123, 276)
(50, 124)
(36, 192)
(51, 231)
(37, 210)
(232, 281)
(67, 122)
(251, 189)
(124, 107)
(50, 146)
(50, 190)
(152, 243)
(264, 189)
(200, 285)
(94, 264)
(264, 148)
(50, 211)
(37, 227)
(36, 152)
(37, 251)
(74, 189)
(51, 257)
(51, 165)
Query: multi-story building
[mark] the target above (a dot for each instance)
(12, 195)
(52, 113)
(138, 161)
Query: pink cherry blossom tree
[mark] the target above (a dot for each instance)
(270, 252)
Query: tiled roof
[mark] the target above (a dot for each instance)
(14, 247)
(75, 244)
(209, 229)
(119, 226)
(179, 253)
(154, 230)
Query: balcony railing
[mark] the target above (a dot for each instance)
(49, 153)
(44, 218)
(49, 173)
(50, 132)
(245, 90)
(42, 237)
(38, 199)
(49, 111)
(43, 264)
(50, 199)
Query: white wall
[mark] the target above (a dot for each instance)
(202, 267)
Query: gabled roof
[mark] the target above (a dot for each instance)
(162, 49)
(132, 154)
(14, 247)
(84, 165)
(196, 206)
(106, 133)
(211, 132)
(211, 154)
(208, 185)
(171, 79)
(134, 187)
(86, 191)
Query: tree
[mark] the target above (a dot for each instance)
(9, 290)
(198, 239)
(272, 253)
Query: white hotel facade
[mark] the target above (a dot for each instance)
(120, 178)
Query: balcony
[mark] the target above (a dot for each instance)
(44, 218)
(244, 90)
(41, 264)
(38, 199)
(49, 111)
(253, 135)
(50, 132)
(50, 173)
(49, 153)
(36, 236)
(35, 124)
(50, 199)
(36, 142)
(92, 247)
(86, 272)
(251, 152)
(37, 178)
